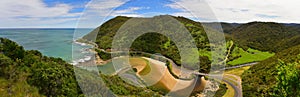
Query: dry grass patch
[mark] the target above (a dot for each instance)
(237, 71)
(230, 91)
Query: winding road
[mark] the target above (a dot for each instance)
(237, 89)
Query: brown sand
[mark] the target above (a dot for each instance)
(160, 77)
(165, 78)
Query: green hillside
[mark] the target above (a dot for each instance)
(266, 36)
(263, 79)
(153, 42)
(260, 79)
(240, 56)
(157, 43)
(29, 73)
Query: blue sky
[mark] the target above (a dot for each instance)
(90, 14)
(78, 4)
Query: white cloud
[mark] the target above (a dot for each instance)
(33, 13)
(192, 8)
(31, 8)
(130, 12)
(104, 4)
(16, 13)
(98, 11)
(241, 10)
(102, 7)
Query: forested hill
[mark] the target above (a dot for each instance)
(278, 75)
(151, 42)
(263, 36)
(266, 36)
(30, 74)
(263, 79)
(226, 27)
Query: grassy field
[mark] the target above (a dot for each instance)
(237, 71)
(248, 56)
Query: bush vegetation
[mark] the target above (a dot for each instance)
(29, 73)
(261, 79)
(39, 74)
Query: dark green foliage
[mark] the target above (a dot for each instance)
(12, 49)
(54, 79)
(103, 55)
(226, 27)
(266, 36)
(134, 69)
(222, 90)
(8, 68)
(51, 76)
(260, 79)
(204, 67)
(120, 87)
(149, 42)
(159, 90)
(288, 83)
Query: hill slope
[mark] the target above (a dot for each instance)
(266, 36)
(153, 42)
(260, 79)
(29, 73)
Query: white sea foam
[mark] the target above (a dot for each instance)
(82, 44)
(82, 60)
(85, 54)
(74, 63)
(87, 58)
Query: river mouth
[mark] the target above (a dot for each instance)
(153, 73)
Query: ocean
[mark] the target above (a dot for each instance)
(52, 42)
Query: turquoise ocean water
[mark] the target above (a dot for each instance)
(53, 42)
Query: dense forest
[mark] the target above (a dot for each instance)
(263, 79)
(267, 36)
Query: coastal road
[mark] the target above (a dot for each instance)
(242, 65)
(233, 83)
(226, 68)
(237, 89)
